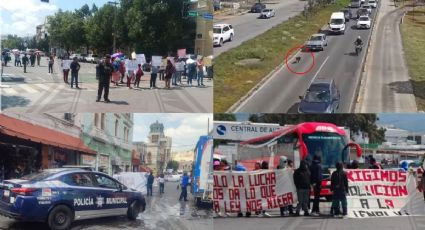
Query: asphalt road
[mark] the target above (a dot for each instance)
(248, 26)
(387, 85)
(280, 93)
(37, 91)
(162, 213)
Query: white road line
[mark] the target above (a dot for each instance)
(43, 86)
(320, 68)
(9, 91)
(27, 88)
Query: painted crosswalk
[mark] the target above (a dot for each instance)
(19, 89)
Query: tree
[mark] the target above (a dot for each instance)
(99, 30)
(173, 165)
(224, 117)
(94, 9)
(66, 30)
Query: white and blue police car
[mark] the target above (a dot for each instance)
(60, 196)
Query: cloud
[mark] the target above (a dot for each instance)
(21, 17)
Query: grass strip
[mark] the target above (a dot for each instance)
(233, 81)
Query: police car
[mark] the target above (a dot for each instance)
(60, 196)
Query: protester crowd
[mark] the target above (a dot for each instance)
(308, 181)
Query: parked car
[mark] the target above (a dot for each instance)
(267, 13)
(222, 33)
(173, 177)
(364, 22)
(78, 56)
(316, 42)
(258, 7)
(92, 58)
(322, 96)
(60, 196)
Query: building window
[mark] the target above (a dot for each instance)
(116, 127)
(96, 120)
(149, 158)
(102, 121)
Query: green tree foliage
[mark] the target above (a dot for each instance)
(66, 29)
(224, 117)
(356, 122)
(13, 42)
(173, 165)
(99, 30)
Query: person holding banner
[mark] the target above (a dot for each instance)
(339, 188)
(302, 184)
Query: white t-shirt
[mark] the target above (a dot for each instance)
(161, 180)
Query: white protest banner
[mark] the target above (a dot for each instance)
(181, 53)
(253, 191)
(141, 59)
(156, 60)
(130, 65)
(134, 180)
(375, 193)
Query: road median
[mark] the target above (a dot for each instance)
(235, 80)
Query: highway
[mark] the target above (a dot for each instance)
(280, 93)
(248, 26)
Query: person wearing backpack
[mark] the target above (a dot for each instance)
(339, 188)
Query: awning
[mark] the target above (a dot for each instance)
(35, 133)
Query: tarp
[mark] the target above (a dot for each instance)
(134, 180)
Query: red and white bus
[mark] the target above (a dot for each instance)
(301, 142)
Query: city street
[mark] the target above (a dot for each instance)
(280, 93)
(247, 26)
(162, 213)
(387, 86)
(37, 91)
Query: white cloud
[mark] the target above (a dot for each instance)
(21, 17)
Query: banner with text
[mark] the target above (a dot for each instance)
(375, 193)
(236, 192)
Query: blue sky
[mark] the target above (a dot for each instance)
(20, 17)
(184, 128)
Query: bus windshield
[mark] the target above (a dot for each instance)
(328, 145)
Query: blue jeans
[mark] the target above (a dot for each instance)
(189, 78)
(74, 77)
(200, 77)
(149, 186)
(161, 188)
(177, 77)
(337, 198)
(183, 194)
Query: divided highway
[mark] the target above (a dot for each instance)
(280, 93)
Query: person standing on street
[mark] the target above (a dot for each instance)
(51, 62)
(339, 188)
(184, 183)
(149, 184)
(105, 73)
(25, 62)
(122, 70)
(154, 73)
(302, 184)
(75, 67)
(5, 58)
(191, 70)
(130, 75)
(139, 75)
(17, 58)
(161, 181)
(32, 59)
(316, 181)
(200, 72)
(169, 71)
(283, 164)
(65, 68)
(38, 56)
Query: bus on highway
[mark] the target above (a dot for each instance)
(301, 142)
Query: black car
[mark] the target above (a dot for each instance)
(321, 97)
(258, 7)
(347, 14)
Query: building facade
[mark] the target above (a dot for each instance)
(204, 25)
(185, 159)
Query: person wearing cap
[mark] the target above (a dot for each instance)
(75, 67)
(105, 72)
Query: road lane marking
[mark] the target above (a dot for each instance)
(9, 91)
(320, 68)
(27, 88)
(43, 86)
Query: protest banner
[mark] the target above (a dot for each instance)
(181, 53)
(130, 65)
(156, 60)
(134, 180)
(141, 59)
(207, 61)
(375, 193)
(236, 192)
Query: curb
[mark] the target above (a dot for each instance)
(362, 79)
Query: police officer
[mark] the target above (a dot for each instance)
(105, 72)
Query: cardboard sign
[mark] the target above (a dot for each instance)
(66, 64)
(141, 59)
(181, 53)
(130, 65)
(156, 60)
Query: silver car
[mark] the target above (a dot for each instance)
(267, 13)
(316, 42)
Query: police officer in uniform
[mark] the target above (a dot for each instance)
(105, 70)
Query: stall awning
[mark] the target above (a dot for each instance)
(25, 130)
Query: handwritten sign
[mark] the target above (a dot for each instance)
(156, 60)
(141, 59)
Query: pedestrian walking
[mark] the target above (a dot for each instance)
(51, 62)
(339, 188)
(169, 71)
(75, 67)
(179, 71)
(149, 184)
(316, 181)
(200, 72)
(122, 70)
(154, 73)
(38, 56)
(302, 184)
(105, 74)
(5, 58)
(161, 181)
(25, 62)
(32, 59)
(17, 58)
(184, 183)
(65, 64)
(139, 74)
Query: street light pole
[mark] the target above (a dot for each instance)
(114, 34)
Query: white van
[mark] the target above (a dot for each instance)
(337, 23)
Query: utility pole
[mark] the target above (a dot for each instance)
(114, 34)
